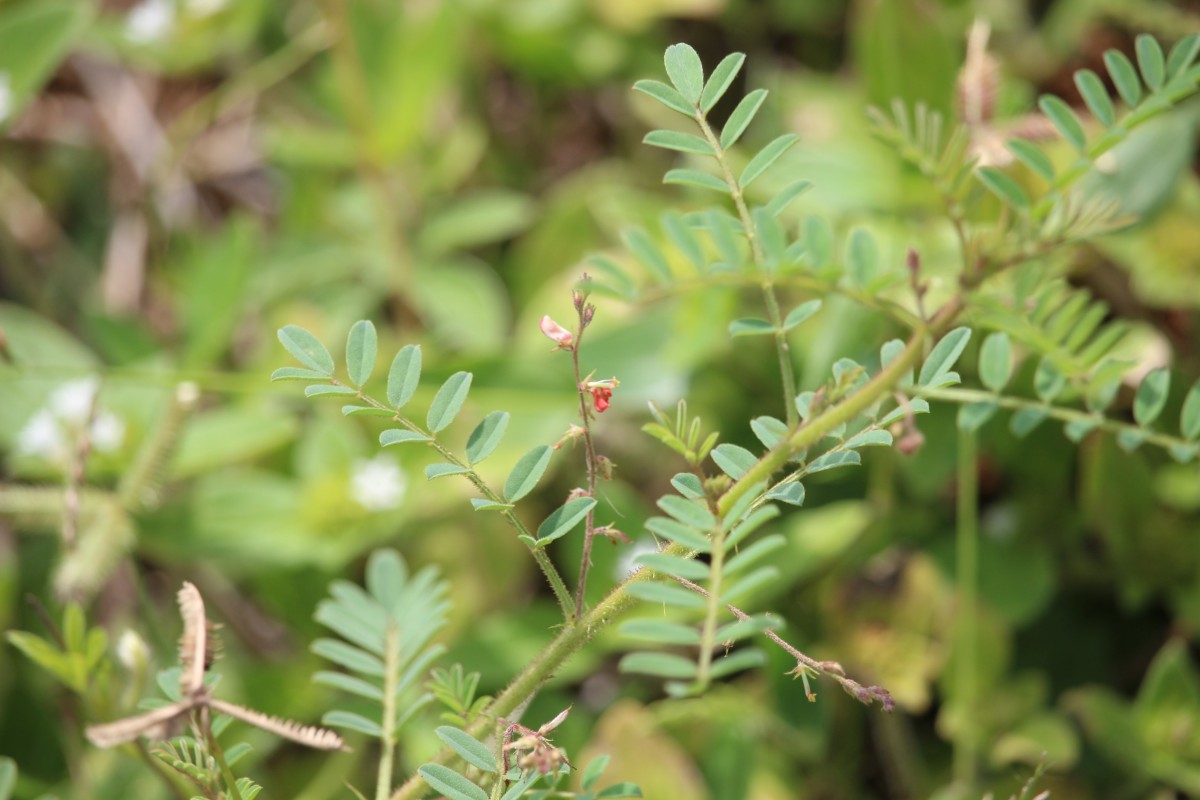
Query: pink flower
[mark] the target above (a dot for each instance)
(556, 332)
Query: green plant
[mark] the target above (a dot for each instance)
(716, 543)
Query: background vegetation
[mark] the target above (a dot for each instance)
(180, 179)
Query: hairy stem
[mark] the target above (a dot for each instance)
(708, 630)
(965, 757)
(214, 749)
(782, 349)
(590, 456)
(387, 740)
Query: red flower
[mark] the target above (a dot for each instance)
(600, 397)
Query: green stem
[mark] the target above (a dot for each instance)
(708, 630)
(218, 755)
(391, 670)
(782, 349)
(1061, 413)
(965, 756)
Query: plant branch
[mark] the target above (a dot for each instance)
(585, 418)
(571, 639)
(557, 585)
(828, 669)
(391, 669)
(782, 349)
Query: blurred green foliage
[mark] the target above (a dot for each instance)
(180, 178)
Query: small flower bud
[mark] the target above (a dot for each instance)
(556, 333)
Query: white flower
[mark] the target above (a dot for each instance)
(150, 21)
(6, 96)
(42, 436)
(72, 402)
(108, 431)
(377, 484)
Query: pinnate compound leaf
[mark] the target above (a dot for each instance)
(973, 415)
(483, 504)
(366, 411)
(838, 458)
(876, 437)
(1064, 120)
(361, 345)
(688, 485)
(1182, 55)
(487, 435)
(747, 658)
(734, 461)
(297, 374)
(662, 631)
(399, 436)
(527, 472)
(679, 533)
(741, 118)
(662, 665)
(674, 565)
(1150, 59)
(450, 783)
(448, 401)
(1032, 156)
(306, 349)
(791, 493)
(667, 594)
(765, 158)
(1124, 76)
(685, 71)
(473, 751)
(682, 142)
(647, 253)
(1092, 90)
(769, 430)
(995, 361)
(692, 177)
(354, 722)
(720, 80)
(1025, 420)
(323, 390)
(619, 790)
(666, 95)
(862, 257)
(1003, 186)
(750, 326)
(1151, 395)
(780, 202)
(1189, 417)
(593, 771)
(442, 470)
(943, 357)
(404, 375)
(564, 518)
(687, 512)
